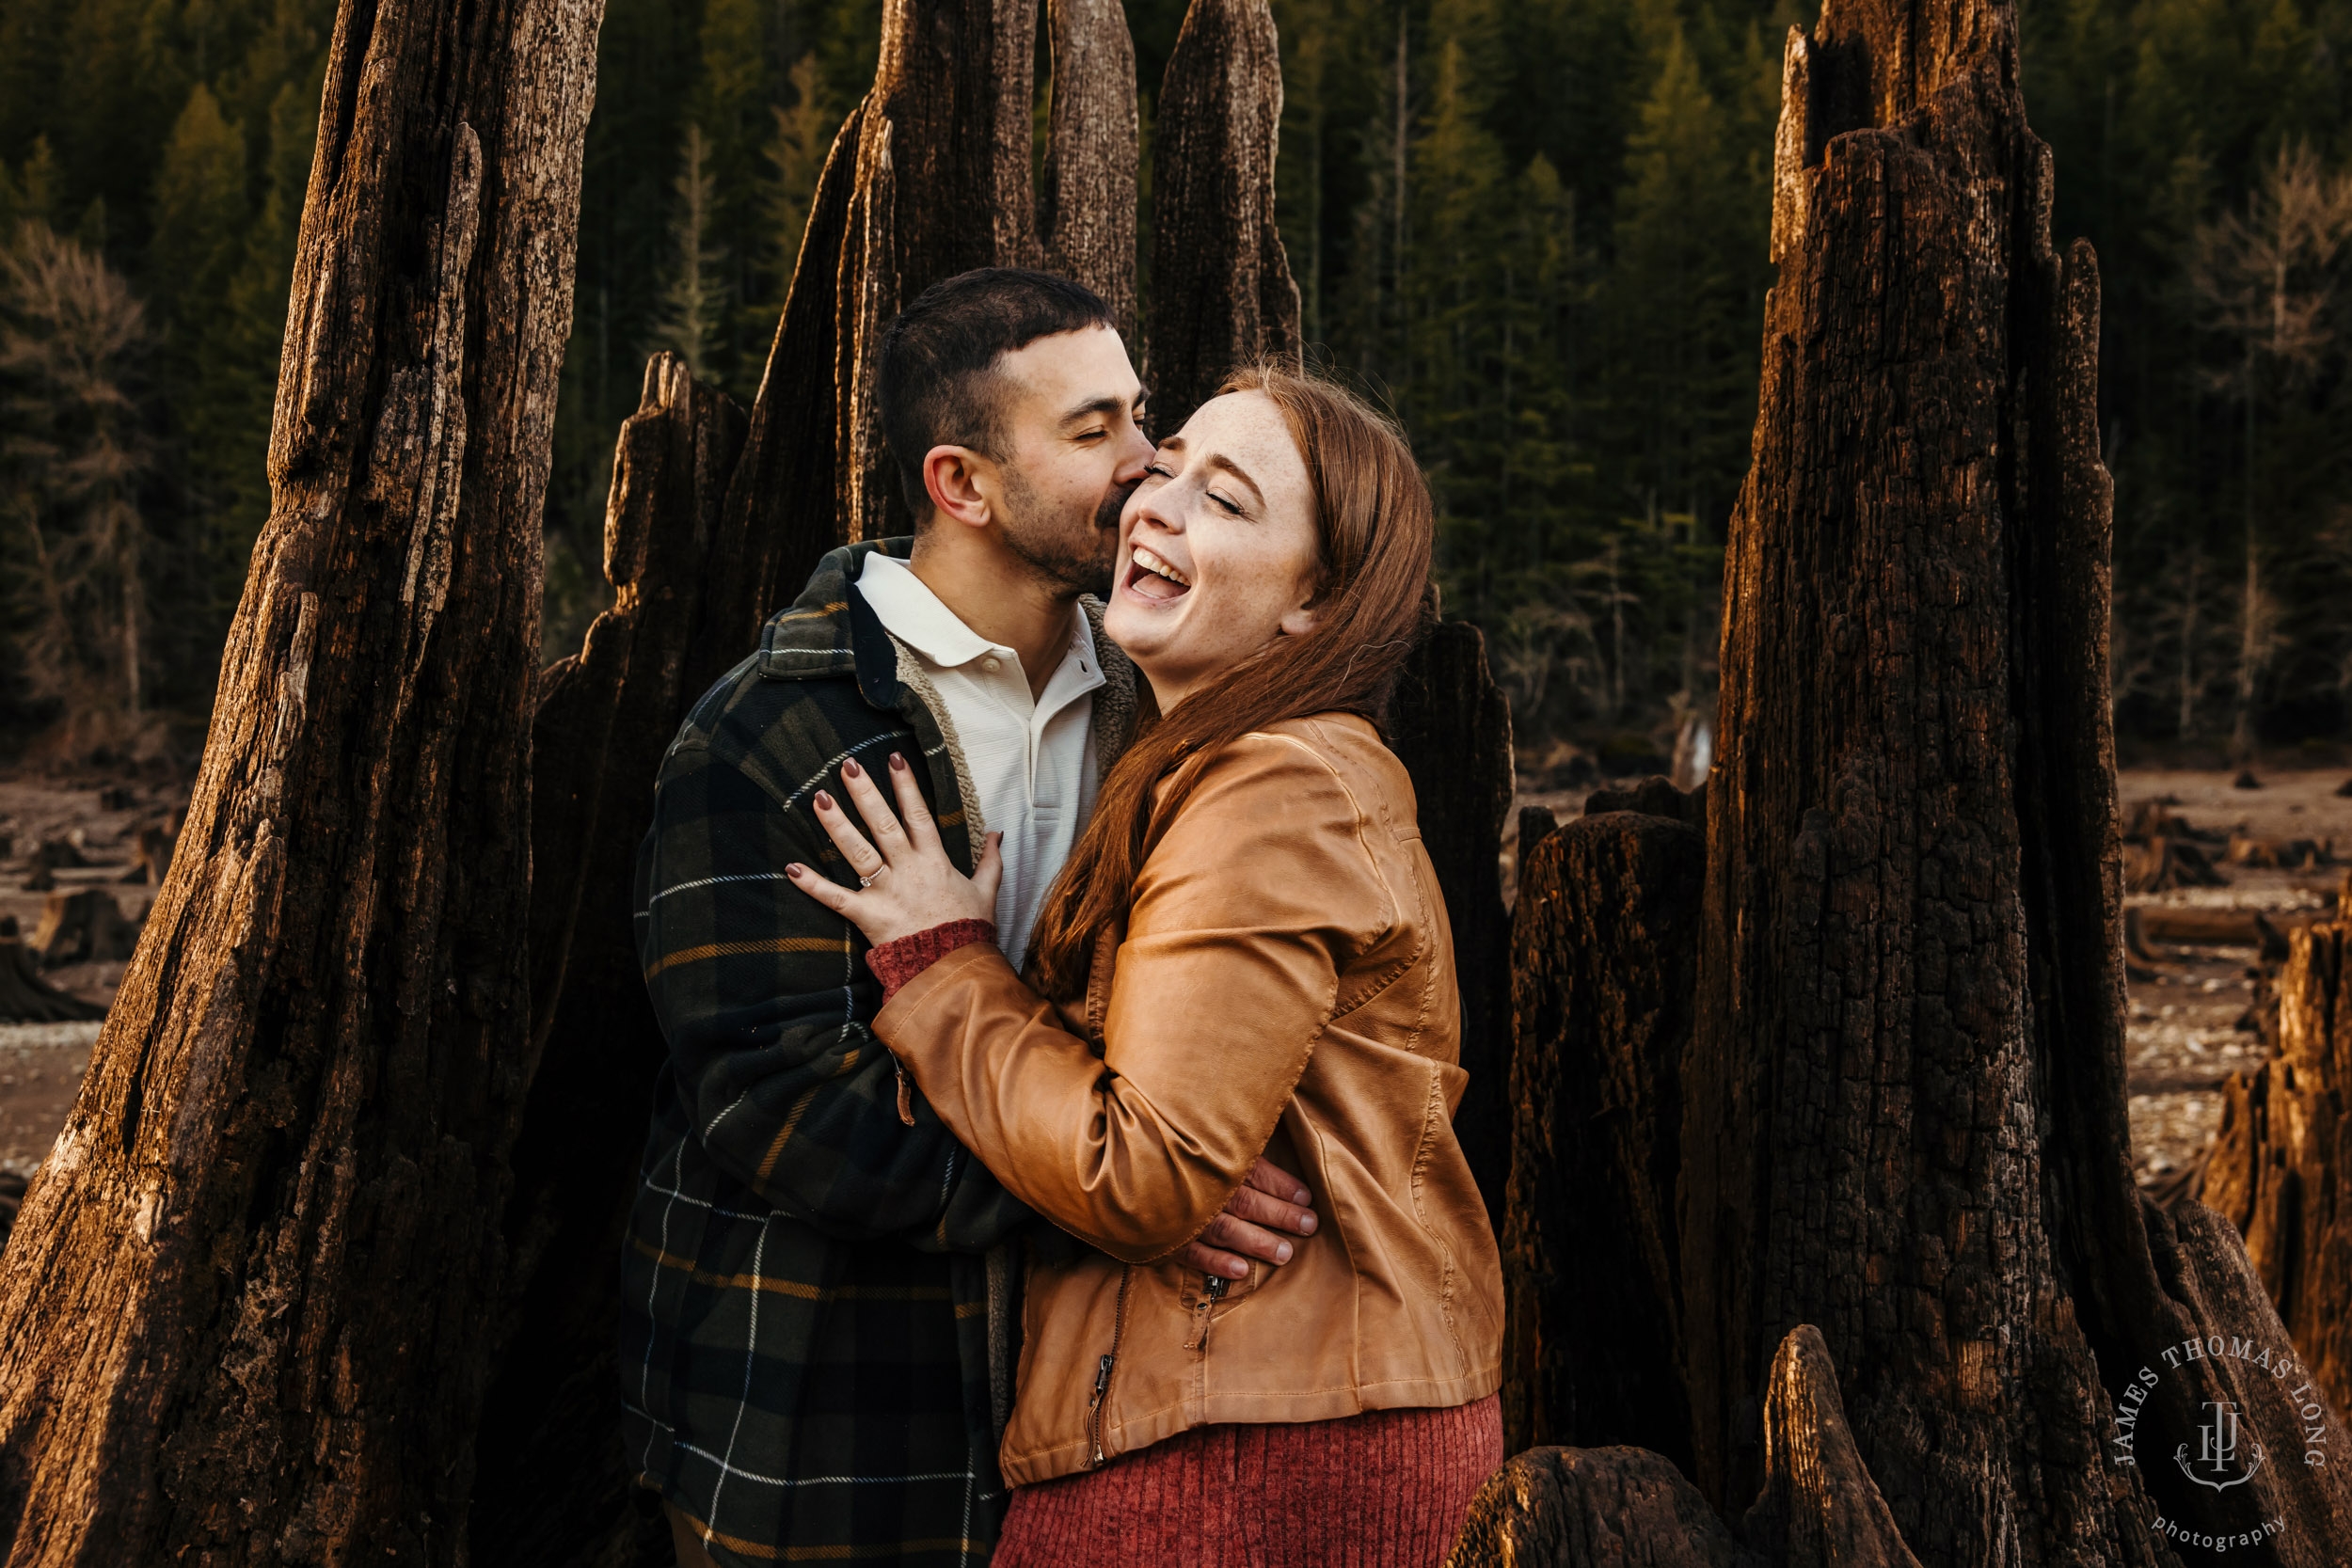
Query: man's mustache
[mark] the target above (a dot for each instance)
(1114, 502)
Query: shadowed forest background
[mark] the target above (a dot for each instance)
(1537, 229)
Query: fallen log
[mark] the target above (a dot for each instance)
(2191, 926)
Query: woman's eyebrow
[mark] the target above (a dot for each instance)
(1221, 461)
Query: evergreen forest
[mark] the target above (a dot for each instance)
(1536, 230)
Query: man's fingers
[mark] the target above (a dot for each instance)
(921, 831)
(1248, 1203)
(1209, 1261)
(1267, 1176)
(864, 859)
(881, 820)
(1228, 1234)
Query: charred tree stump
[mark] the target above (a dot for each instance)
(1451, 726)
(83, 926)
(1817, 1507)
(1604, 960)
(940, 185)
(1086, 206)
(2281, 1166)
(25, 995)
(243, 1314)
(1222, 288)
(553, 1478)
(1904, 1105)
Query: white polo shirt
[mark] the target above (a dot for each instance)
(1031, 762)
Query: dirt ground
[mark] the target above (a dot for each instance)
(41, 1063)
(2186, 1030)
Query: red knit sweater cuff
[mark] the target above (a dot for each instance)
(899, 960)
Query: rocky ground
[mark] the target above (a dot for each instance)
(2189, 1025)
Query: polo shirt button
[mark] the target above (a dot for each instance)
(992, 664)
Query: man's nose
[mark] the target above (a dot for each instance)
(1135, 459)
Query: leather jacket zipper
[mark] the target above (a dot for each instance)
(1217, 1286)
(1103, 1370)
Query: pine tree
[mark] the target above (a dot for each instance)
(695, 302)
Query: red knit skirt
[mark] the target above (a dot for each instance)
(1387, 1489)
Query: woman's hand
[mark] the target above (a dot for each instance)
(906, 881)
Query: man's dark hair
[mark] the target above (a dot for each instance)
(937, 385)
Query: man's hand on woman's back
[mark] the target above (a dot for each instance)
(1269, 1200)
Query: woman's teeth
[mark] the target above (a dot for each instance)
(1148, 564)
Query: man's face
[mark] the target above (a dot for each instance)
(1069, 428)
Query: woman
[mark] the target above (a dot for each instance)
(1245, 952)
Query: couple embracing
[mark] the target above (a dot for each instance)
(1054, 1148)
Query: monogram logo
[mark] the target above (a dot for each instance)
(2216, 1450)
(2225, 1455)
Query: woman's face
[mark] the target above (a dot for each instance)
(1216, 548)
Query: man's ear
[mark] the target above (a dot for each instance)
(960, 482)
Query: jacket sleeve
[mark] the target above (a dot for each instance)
(764, 1001)
(1245, 914)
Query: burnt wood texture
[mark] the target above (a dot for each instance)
(242, 1315)
(1451, 726)
(1903, 1111)
(551, 1468)
(1222, 288)
(2281, 1164)
(1603, 973)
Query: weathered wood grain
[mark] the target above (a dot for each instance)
(243, 1316)
(1221, 287)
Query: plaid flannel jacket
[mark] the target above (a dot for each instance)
(816, 1325)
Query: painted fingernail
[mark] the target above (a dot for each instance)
(1281, 1252)
(898, 762)
(796, 871)
(824, 801)
(849, 769)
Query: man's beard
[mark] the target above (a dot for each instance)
(1070, 555)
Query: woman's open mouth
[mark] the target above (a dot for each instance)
(1151, 576)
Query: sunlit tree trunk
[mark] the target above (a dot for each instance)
(242, 1316)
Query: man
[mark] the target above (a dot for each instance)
(818, 1289)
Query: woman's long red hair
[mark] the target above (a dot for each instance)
(1375, 525)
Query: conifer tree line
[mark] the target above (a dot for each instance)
(1535, 229)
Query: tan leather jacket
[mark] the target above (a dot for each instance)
(1284, 983)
